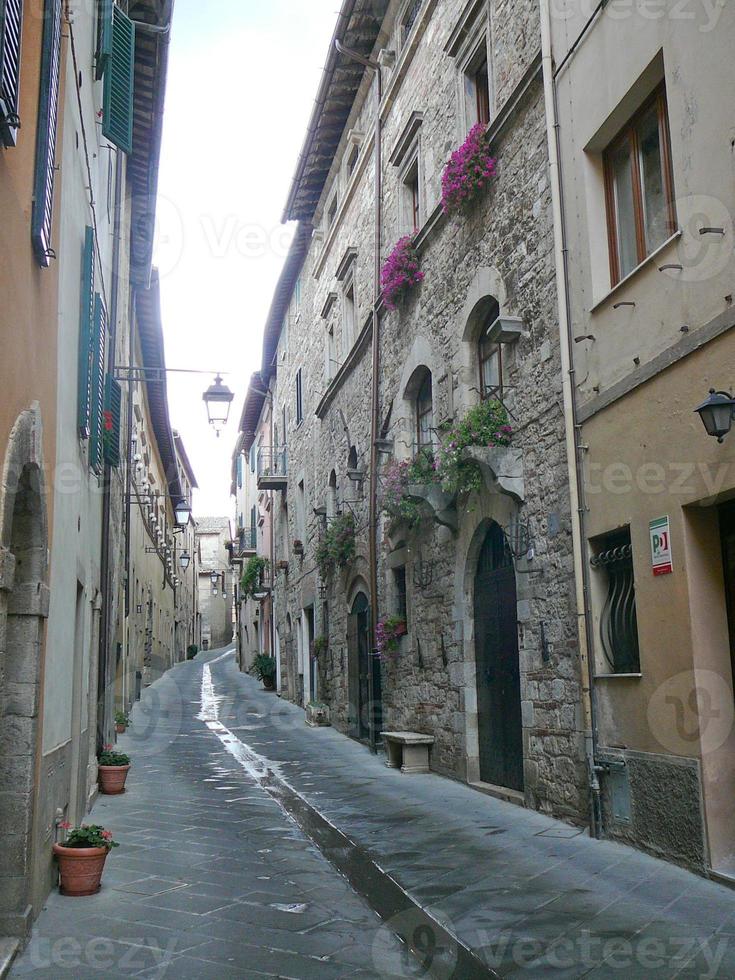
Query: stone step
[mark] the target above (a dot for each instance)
(8, 951)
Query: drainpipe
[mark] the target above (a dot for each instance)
(572, 426)
(103, 672)
(374, 66)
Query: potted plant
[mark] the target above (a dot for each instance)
(112, 771)
(254, 575)
(321, 645)
(389, 631)
(192, 651)
(122, 720)
(264, 668)
(82, 858)
(298, 547)
(401, 272)
(337, 545)
(468, 172)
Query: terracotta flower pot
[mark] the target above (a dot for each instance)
(269, 683)
(121, 729)
(80, 869)
(112, 779)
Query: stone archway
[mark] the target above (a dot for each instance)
(24, 600)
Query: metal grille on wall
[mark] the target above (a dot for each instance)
(619, 621)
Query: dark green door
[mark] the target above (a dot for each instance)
(498, 673)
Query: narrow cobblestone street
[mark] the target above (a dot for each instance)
(214, 878)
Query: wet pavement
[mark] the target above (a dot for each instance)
(254, 846)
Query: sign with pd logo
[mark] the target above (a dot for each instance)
(661, 546)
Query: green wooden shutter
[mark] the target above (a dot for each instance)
(112, 421)
(48, 111)
(104, 37)
(86, 330)
(11, 29)
(117, 124)
(96, 416)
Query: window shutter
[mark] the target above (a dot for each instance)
(112, 421)
(86, 324)
(117, 124)
(104, 37)
(97, 386)
(48, 111)
(11, 28)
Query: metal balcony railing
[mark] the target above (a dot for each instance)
(247, 541)
(273, 468)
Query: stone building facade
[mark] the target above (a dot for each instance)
(216, 598)
(516, 731)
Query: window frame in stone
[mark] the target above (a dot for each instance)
(299, 398)
(411, 196)
(630, 136)
(423, 410)
(349, 312)
(331, 211)
(407, 20)
(400, 592)
(487, 350)
(612, 561)
(471, 47)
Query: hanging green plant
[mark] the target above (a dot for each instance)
(253, 575)
(399, 476)
(484, 425)
(337, 546)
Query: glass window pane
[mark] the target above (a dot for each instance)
(655, 213)
(622, 171)
(490, 369)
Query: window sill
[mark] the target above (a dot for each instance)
(615, 677)
(634, 272)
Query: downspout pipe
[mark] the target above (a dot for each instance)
(373, 66)
(571, 420)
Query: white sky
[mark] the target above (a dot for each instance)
(243, 75)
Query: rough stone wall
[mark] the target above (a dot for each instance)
(507, 240)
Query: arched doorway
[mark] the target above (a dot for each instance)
(359, 676)
(500, 730)
(24, 599)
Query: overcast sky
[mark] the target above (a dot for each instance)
(243, 75)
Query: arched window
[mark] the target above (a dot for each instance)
(332, 495)
(424, 413)
(490, 356)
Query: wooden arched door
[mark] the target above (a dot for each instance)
(500, 730)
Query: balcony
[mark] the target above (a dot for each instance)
(273, 469)
(246, 544)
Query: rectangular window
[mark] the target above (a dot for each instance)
(331, 353)
(112, 422)
(11, 29)
(332, 211)
(613, 561)
(352, 159)
(350, 316)
(482, 92)
(409, 18)
(297, 296)
(299, 399)
(412, 197)
(639, 188)
(400, 593)
(48, 111)
(477, 86)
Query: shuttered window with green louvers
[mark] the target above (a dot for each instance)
(11, 28)
(117, 123)
(97, 386)
(104, 37)
(48, 112)
(111, 421)
(86, 333)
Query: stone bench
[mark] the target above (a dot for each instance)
(408, 751)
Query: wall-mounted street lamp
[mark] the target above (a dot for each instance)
(184, 560)
(214, 578)
(218, 398)
(182, 514)
(717, 413)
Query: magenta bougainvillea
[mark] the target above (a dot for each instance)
(468, 172)
(401, 272)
